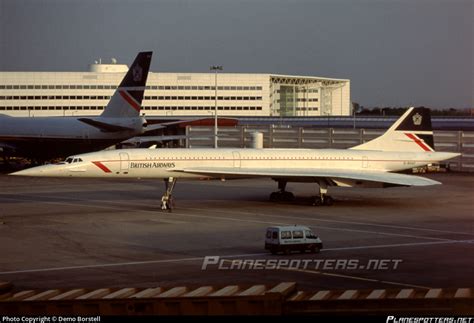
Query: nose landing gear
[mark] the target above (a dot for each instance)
(323, 198)
(167, 201)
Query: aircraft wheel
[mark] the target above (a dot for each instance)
(317, 201)
(167, 204)
(328, 200)
(275, 196)
(288, 196)
(170, 204)
(164, 206)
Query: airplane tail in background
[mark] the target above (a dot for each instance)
(127, 99)
(412, 132)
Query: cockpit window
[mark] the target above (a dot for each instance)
(71, 160)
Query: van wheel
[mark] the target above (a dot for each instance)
(315, 250)
(273, 251)
(286, 251)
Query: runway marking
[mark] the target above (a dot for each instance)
(352, 277)
(158, 213)
(355, 278)
(148, 262)
(394, 245)
(132, 263)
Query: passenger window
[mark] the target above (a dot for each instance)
(286, 234)
(69, 160)
(310, 235)
(275, 235)
(269, 234)
(297, 234)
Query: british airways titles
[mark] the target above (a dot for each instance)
(151, 165)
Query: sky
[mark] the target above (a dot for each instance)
(395, 52)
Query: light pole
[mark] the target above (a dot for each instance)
(215, 68)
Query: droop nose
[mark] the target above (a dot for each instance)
(46, 170)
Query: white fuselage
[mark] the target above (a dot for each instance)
(165, 163)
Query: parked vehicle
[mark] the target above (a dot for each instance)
(290, 238)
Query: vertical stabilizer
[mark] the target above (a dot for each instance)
(412, 132)
(127, 99)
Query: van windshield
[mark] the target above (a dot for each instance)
(310, 235)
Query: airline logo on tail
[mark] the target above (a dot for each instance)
(137, 73)
(417, 119)
(128, 98)
(419, 130)
(411, 132)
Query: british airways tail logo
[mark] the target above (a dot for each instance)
(137, 73)
(417, 119)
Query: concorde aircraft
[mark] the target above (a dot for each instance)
(43, 138)
(408, 143)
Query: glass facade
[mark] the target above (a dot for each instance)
(287, 101)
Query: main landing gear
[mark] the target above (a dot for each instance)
(281, 194)
(167, 201)
(323, 198)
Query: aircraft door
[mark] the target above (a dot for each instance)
(236, 157)
(365, 162)
(124, 162)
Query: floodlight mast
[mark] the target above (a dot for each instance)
(215, 68)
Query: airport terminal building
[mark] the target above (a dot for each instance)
(174, 94)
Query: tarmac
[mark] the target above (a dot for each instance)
(67, 233)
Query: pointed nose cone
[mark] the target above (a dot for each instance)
(46, 170)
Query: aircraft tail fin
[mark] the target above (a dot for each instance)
(411, 132)
(127, 99)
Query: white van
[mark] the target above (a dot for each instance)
(288, 238)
